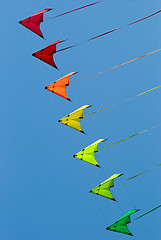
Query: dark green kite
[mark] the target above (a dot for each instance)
(121, 224)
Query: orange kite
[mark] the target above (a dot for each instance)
(59, 87)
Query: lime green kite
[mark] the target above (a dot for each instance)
(88, 153)
(103, 189)
(73, 119)
(121, 224)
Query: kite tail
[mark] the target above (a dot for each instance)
(142, 19)
(122, 64)
(68, 47)
(114, 30)
(130, 137)
(147, 212)
(126, 100)
(142, 173)
(76, 9)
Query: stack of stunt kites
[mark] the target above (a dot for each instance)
(88, 153)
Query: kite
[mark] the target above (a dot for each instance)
(33, 22)
(126, 100)
(103, 34)
(46, 54)
(122, 64)
(121, 224)
(73, 119)
(88, 153)
(103, 189)
(59, 87)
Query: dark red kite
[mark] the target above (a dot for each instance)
(59, 87)
(33, 22)
(46, 54)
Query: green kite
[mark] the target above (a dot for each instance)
(121, 224)
(87, 154)
(104, 188)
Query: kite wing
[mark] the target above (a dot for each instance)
(103, 189)
(73, 119)
(121, 224)
(59, 87)
(46, 54)
(87, 154)
(33, 22)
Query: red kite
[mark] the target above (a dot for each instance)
(46, 54)
(59, 87)
(33, 22)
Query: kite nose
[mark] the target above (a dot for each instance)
(107, 228)
(33, 54)
(45, 87)
(74, 155)
(20, 22)
(59, 120)
(90, 191)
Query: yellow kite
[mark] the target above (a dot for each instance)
(103, 189)
(87, 154)
(73, 119)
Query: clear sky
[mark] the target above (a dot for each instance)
(44, 191)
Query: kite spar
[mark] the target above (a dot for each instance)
(33, 22)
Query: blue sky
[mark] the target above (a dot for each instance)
(43, 189)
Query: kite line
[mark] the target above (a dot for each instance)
(142, 19)
(126, 100)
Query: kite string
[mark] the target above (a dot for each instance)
(113, 161)
(129, 196)
(97, 205)
(117, 66)
(126, 100)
